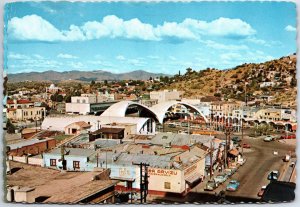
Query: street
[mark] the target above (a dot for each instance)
(252, 175)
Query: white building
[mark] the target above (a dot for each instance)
(266, 84)
(83, 104)
(166, 95)
(144, 126)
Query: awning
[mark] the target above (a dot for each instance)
(234, 152)
(123, 179)
(192, 179)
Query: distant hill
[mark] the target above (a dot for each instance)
(97, 75)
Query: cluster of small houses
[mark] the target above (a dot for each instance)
(176, 161)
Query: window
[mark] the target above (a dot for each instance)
(76, 164)
(78, 100)
(52, 162)
(167, 185)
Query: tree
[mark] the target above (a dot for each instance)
(93, 82)
(293, 82)
(10, 127)
(105, 82)
(188, 71)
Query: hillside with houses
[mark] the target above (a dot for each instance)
(273, 81)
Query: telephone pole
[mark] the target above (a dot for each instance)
(228, 132)
(211, 161)
(143, 181)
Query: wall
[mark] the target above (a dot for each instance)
(69, 159)
(30, 160)
(34, 149)
(81, 108)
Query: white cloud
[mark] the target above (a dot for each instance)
(219, 46)
(153, 57)
(220, 27)
(38, 56)
(17, 56)
(172, 58)
(33, 27)
(66, 56)
(120, 57)
(290, 28)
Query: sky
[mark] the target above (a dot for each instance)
(165, 37)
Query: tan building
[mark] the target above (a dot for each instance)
(23, 114)
(166, 95)
(77, 128)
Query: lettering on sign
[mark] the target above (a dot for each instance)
(190, 169)
(161, 172)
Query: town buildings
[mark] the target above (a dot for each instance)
(166, 95)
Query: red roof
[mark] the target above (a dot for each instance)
(22, 101)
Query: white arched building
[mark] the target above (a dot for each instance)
(157, 111)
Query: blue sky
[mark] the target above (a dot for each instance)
(155, 37)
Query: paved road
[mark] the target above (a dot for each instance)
(253, 174)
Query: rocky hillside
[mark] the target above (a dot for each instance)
(275, 78)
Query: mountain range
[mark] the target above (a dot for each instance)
(97, 75)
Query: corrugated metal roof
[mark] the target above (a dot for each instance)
(27, 143)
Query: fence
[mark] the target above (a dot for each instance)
(27, 160)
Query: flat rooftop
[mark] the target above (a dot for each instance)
(61, 187)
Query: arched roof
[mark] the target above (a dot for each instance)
(161, 109)
(119, 109)
(158, 111)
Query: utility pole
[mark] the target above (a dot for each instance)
(143, 182)
(242, 128)
(211, 161)
(64, 164)
(228, 131)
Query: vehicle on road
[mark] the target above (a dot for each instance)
(172, 125)
(220, 178)
(290, 136)
(286, 158)
(236, 139)
(246, 145)
(273, 175)
(233, 185)
(183, 132)
(230, 171)
(268, 138)
(241, 161)
(261, 191)
(184, 124)
(211, 185)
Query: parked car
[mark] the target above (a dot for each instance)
(221, 178)
(246, 145)
(230, 171)
(211, 185)
(273, 175)
(172, 125)
(286, 158)
(290, 136)
(236, 139)
(241, 161)
(184, 124)
(261, 191)
(233, 185)
(268, 138)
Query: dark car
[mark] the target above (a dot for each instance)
(236, 139)
(211, 185)
(273, 175)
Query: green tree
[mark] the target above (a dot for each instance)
(10, 127)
